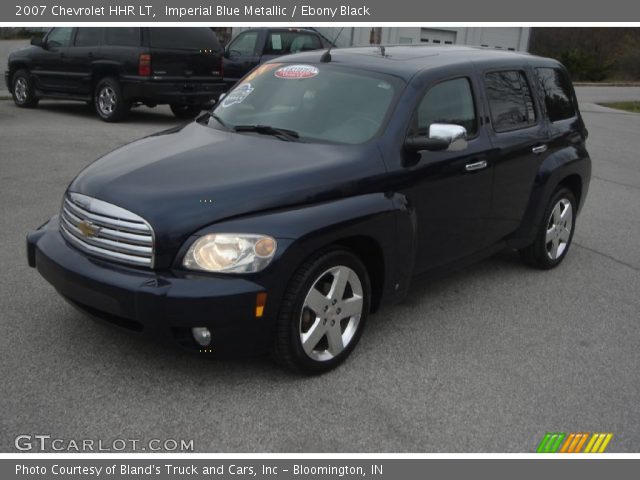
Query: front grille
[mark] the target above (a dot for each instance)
(106, 231)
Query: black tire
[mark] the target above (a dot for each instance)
(288, 350)
(113, 110)
(23, 91)
(538, 254)
(186, 111)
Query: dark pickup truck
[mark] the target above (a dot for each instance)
(258, 45)
(115, 68)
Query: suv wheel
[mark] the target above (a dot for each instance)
(23, 92)
(109, 101)
(555, 233)
(323, 313)
(185, 111)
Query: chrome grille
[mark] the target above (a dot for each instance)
(104, 230)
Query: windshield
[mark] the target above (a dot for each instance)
(313, 102)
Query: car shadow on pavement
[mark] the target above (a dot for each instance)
(140, 114)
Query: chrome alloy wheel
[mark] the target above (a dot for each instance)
(21, 89)
(107, 100)
(559, 229)
(331, 313)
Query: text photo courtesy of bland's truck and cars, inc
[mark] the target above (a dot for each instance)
(214, 11)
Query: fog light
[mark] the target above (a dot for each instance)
(201, 335)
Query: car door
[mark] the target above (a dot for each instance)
(51, 63)
(449, 190)
(81, 57)
(519, 137)
(241, 55)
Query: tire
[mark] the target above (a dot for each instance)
(109, 102)
(330, 335)
(185, 111)
(555, 233)
(23, 94)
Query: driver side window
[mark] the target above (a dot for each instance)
(59, 37)
(244, 45)
(450, 102)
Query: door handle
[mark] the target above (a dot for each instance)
(472, 167)
(539, 149)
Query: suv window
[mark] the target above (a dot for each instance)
(185, 38)
(450, 101)
(556, 88)
(510, 100)
(280, 43)
(244, 45)
(123, 36)
(88, 37)
(59, 37)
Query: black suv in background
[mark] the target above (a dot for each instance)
(115, 68)
(258, 45)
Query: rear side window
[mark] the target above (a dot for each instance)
(510, 100)
(88, 37)
(123, 36)
(558, 98)
(183, 38)
(450, 101)
(59, 37)
(280, 43)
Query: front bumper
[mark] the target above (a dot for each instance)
(162, 305)
(183, 92)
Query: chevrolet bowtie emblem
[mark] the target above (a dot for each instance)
(88, 229)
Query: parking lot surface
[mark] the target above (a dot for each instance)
(487, 359)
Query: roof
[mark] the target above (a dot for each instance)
(407, 60)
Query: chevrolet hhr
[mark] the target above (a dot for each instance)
(315, 191)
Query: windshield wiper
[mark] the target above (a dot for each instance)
(281, 133)
(218, 119)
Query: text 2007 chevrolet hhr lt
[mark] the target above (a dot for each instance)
(314, 192)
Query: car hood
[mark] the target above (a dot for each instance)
(187, 178)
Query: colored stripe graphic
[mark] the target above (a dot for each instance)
(552, 442)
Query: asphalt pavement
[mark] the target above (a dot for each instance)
(487, 359)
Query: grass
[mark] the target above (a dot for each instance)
(628, 106)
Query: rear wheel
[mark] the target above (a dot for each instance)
(555, 233)
(109, 101)
(185, 111)
(23, 91)
(323, 313)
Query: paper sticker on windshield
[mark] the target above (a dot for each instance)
(237, 95)
(297, 72)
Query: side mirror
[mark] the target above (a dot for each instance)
(442, 136)
(37, 41)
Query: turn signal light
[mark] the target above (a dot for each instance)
(144, 65)
(261, 301)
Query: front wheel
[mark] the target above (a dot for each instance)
(185, 111)
(23, 91)
(555, 232)
(323, 313)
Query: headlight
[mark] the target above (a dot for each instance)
(230, 253)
